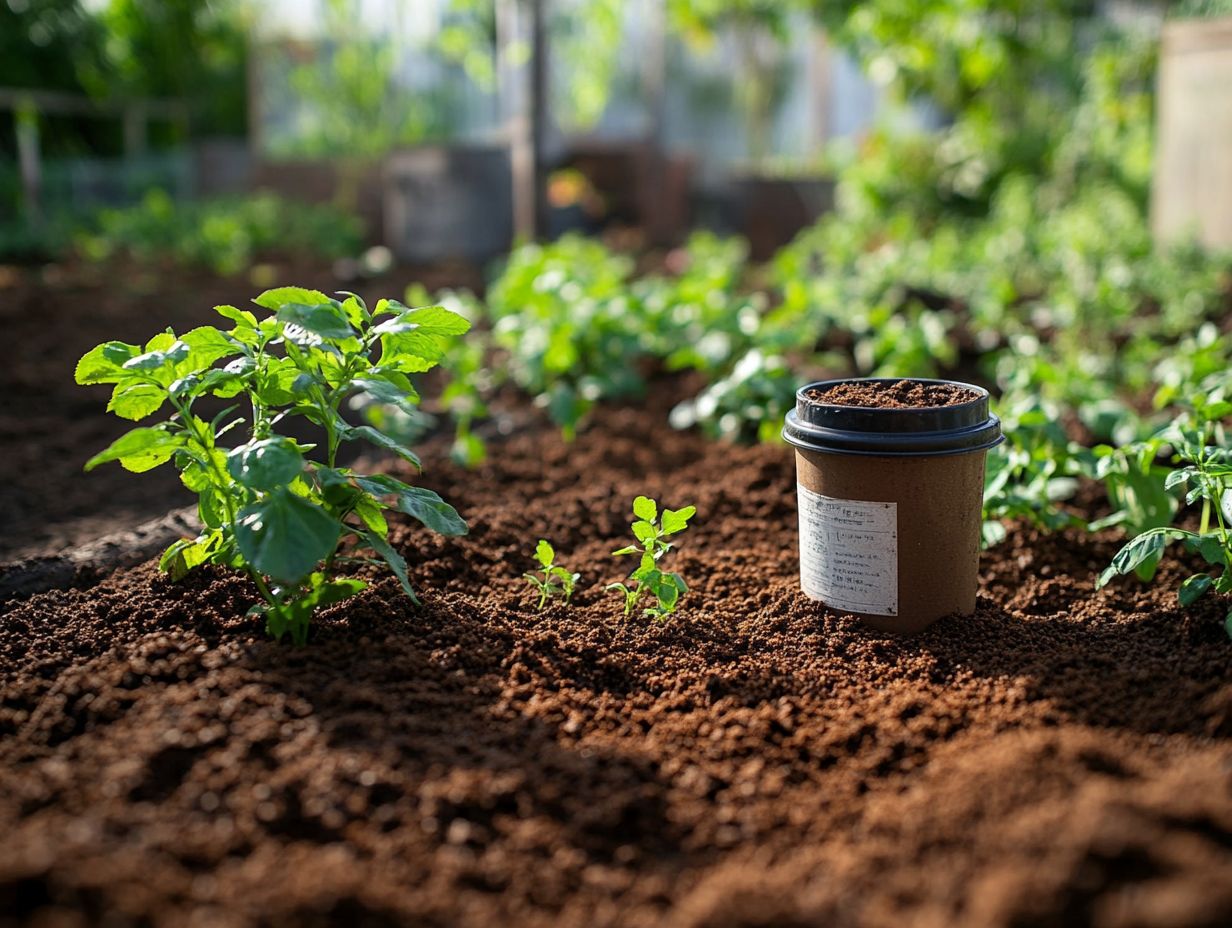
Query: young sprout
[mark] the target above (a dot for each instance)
(556, 579)
(667, 588)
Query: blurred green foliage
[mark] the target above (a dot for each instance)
(356, 109)
(193, 50)
(224, 234)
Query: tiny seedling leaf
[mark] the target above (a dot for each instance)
(677, 520)
(645, 509)
(544, 553)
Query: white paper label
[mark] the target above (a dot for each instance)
(849, 553)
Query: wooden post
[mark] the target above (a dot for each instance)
(29, 162)
(821, 68)
(511, 100)
(654, 85)
(1191, 191)
(539, 111)
(135, 135)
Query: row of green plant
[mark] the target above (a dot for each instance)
(223, 234)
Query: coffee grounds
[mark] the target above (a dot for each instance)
(1059, 757)
(902, 394)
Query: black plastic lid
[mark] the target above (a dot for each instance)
(891, 432)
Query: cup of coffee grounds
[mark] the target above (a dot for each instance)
(890, 481)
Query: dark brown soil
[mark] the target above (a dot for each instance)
(1062, 757)
(49, 426)
(902, 394)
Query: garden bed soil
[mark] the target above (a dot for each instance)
(1061, 757)
(889, 394)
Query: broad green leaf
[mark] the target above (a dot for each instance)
(644, 508)
(402, 358)
(325, 320)
(266, 464)
(210, 507)
(396, 562)
(199, 473)
(1149, 544)
(677, 520)
(208, 346)
(274, 383)
(241, 317)
(424, 505)
(105, 363)
(160, 342)
(385, 390)
(285, 536)
(1193, 588)
(544, 553)
(275, 299)
(380, 439)
(136, 401)
(369, 512)
(355, 310)
(158, 359)
(1178, 477)
(437, 320)
(1210, 547)
(228, 381)
(139, 450)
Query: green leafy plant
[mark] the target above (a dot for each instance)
(1031, 473)
(265, 506)
(1137, 489)
(571, 326)
(224, 234)
(652, 529)
(556, 580)
(1205, 475)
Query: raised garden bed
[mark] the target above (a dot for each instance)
(1059, 757)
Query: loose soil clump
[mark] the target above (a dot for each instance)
(1062, 756)
(902, 394)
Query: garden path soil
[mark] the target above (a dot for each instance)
(1062, 757)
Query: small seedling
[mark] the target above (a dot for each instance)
(266, 506)
(667, 588)
(556, 580)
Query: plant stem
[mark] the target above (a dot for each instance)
(223, 485)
